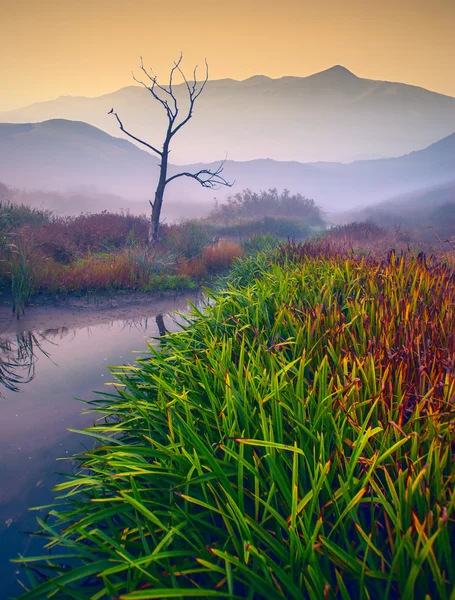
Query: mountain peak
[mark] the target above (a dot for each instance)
(257, 79)
(338, 71)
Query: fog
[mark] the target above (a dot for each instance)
(295, 134)
(72, 167)
(329, 116)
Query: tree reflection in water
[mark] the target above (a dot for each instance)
(19, 352)
(18, 358)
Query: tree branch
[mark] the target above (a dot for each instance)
(171, 91)
(193, 93)
(112, 112)
(151, 89)
(206, 177)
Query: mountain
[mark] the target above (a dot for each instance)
(337, 186)
(416, 210)
(67, 155)
(329, 116)
(63, 156)
(364, 182)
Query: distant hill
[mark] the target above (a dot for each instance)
(362, 183)
(338, 186)
(69, 156)
(329, 116)
(434, 206)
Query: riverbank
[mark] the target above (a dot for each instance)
(74, 312)
(43, 253)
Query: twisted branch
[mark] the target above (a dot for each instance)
(206, 177)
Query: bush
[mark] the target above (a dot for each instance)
(188, 239)
(152, 260)
(95, 232)
(15, 216)
(283, 228)
(215, 258)
(354, 232)
(260, 243)
(252, 205)
(128, 269)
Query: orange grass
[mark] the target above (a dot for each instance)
(220, 257)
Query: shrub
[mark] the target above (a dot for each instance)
(362, 231)
(152, 260)
(188, 239)
(251, 205)
(260, 243)
(194, 268)
(283, 228)
(127, 269)
(96, 232)
(15, 216)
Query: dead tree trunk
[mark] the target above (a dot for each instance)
(165, 95)
(159, 197)
(159, 193)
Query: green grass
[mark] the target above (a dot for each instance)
(159, 283)
(295, 440)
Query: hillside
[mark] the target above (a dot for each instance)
(376, 180)
(332, 116)
(428, 207)
(67, 155)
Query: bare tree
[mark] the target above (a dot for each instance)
(165, 95)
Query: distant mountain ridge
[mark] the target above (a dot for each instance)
(427, 214)
(328, 116)
(69, 155)
(60, 155)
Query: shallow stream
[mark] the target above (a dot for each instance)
(42, 370)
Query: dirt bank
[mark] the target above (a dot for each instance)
(73, 313)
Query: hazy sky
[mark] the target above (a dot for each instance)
(50, 48)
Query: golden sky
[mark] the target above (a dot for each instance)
(50, 48)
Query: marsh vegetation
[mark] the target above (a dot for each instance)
(43, 253)
(294, 440)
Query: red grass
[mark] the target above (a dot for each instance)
(194, 268)
(214, 258)
(219, 257)
(113, 271)
(63, 238)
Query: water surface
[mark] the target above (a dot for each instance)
(43, 371)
